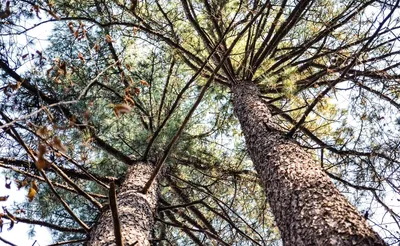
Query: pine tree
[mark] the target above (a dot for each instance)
(282, 62)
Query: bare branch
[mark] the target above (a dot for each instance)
(112, 196)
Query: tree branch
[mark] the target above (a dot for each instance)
(112, 196)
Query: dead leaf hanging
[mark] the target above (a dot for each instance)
(58, 145)
(41, 163)
(120, 109)
(71, 27)
(31, 194)
(43, 132)
(96, 47)
(80, 56)
(144, 83)
(21, 183)
(34, 185)
(41, 150)
(3, 198)
(7, 12)
(109, 39)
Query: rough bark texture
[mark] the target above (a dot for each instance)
(308, 208)
(136, 211)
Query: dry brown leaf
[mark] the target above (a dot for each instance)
(40, 163)
(129, 100)
(7, 12)
(63, 68)
(71, 27)
(137, 91)
(43, 132)
(109, 39)
(3, 198)
(120, 109)
(96, 47)
(34, 185)
(54, 15)
(41, 150)
(145, 83)
(58, 145)
(72, 121)
(31, 194)
(80, 56)
(21, 184)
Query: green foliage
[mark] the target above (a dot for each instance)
(106, 53)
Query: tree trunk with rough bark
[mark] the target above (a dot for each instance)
(307, 207)
(136, 211)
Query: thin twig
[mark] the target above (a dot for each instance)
(185, 205)
(28, 174)
(76, 187)
(7, 242)
(69, 242)
(65, 205)
(186, 120)
(177, 135)
(91, 176)
(345, 182)
(49, 225)
(83, 93)
(309, 109)
(36, 112)
(112, 195)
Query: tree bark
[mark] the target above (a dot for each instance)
(307, 207)
(136, 211)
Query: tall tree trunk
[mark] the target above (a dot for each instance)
(307, 207)
(136, 211)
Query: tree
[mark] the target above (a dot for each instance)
(281, 60)
(96, 142)
(135, 210)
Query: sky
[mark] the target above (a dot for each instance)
(19, 234)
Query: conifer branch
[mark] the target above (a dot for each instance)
(65, 205)
(28, 174)
(50, 225)
(97, 140)
(76, 187)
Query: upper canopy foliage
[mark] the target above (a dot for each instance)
(117, 79)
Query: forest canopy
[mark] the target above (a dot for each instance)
(202, 122)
